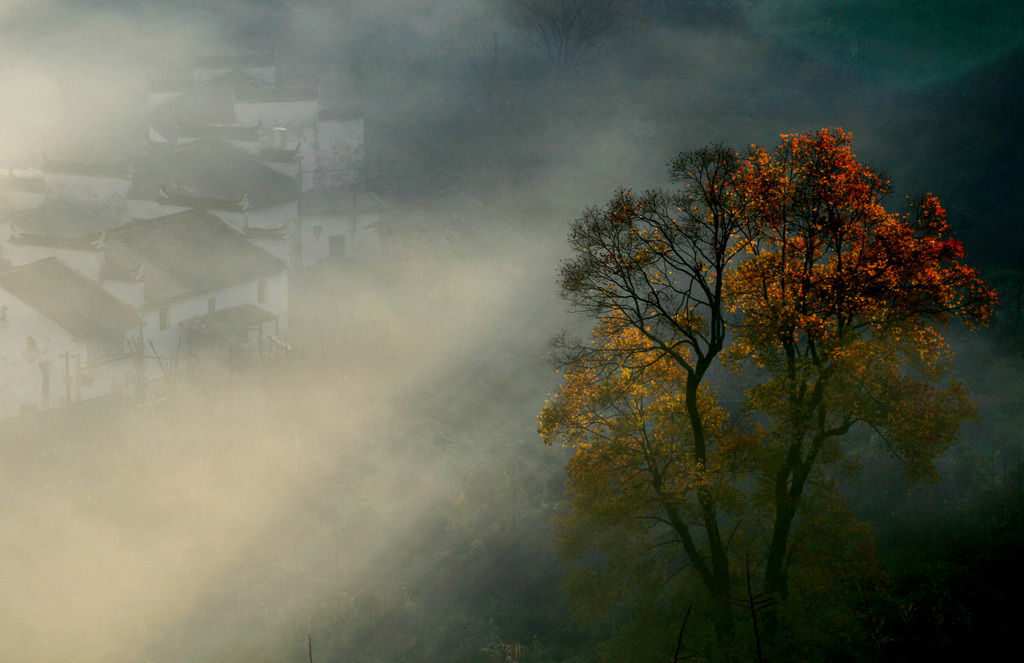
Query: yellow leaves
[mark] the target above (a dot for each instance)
(623, 411)
(830, 264)
(784, 264)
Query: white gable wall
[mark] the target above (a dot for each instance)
(90, 190)
(129, 292)
(281, 249)
(145, 209)
(32, 359)
(158, 98)
(50, 370)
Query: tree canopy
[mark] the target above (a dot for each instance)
(566, 31)
(784, 266)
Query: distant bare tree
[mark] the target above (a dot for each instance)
(567, 31)
(490, 71)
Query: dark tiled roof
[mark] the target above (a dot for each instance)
(203, 105)
(22, 183)
(119, 169)
(56, 241)
(238, 82)
(184, 197)
(209, 103)
(227, 132)
(279, 155)
(265, 233)
(188, 253)
(78, 305)
(272, 94)
(114, 272)
(338, 201)
(226, 320)
(63, 218)
(214, 169)
(247, 60)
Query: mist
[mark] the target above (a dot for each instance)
(390, 470)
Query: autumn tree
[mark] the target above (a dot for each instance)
(783, 265)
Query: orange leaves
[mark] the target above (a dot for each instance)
(785, 264)
(842, 302)
(830, 263)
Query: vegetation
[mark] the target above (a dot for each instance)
(784, 265)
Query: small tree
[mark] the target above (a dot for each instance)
(785, 265)
(566, 31)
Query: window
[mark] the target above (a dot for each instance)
(165, 318)
(261, 292)
(211, 305)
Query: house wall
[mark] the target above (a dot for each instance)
(90, 190)
(357, 229)
(308, 157)
(282, 249)
(291, 114)
(273, 218)
(339, 152)
(51, 370)
(158, 98)
(20, 199)
(129, 292)
(157, 137)
(292, 168)
(166, 341)
(145, 209)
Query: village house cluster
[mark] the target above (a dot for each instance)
(115, 275)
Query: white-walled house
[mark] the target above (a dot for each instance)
(95, 185)
(203, 283)
(335, 225)
(340, 155)
(213, 174)
(245, 93)
(63, 338)
(197, 285)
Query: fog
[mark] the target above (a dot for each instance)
(251, 517)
